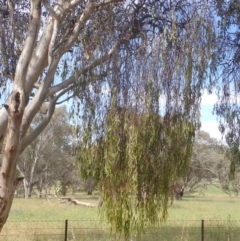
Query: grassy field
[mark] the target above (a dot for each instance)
(38, 220)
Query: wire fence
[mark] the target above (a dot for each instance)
(94, 230)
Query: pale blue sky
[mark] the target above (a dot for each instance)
(209, 121)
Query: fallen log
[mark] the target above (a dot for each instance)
(77, 202)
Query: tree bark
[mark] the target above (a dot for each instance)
(8, 180)
(15, 110)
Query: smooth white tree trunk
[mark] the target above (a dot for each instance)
(8, 180)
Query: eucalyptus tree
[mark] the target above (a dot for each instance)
(150, 56)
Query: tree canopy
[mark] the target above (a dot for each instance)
(135, 162)
(134, 72)
(227, 62)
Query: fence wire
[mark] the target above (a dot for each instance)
(94, 230)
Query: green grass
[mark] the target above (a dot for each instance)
(39, 219)
(214, 205)
(37, 209)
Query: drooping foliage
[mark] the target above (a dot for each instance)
(228, 63)
(137, 128)
(135, 162)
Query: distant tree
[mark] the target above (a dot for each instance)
(203, 171)
(207, 154)
(68, 176)
(89, 185)
(210, 165)
(48, 158)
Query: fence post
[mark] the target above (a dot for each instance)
(66, 229)
(202, 230)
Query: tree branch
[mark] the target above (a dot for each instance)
(3, 126)
(68, 98)
(71, 88)
(83, 71)
(52, 41)
(38, 130)
(77, 27)
(63, 92)
(38, 99)
(89, 9)
(39, 58)
(75, 3)
(21, 172)
(34, 23)
(50, 9)
(105, 2)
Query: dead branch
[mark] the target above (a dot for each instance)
(77, 202)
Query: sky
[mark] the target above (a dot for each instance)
(209, 121)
